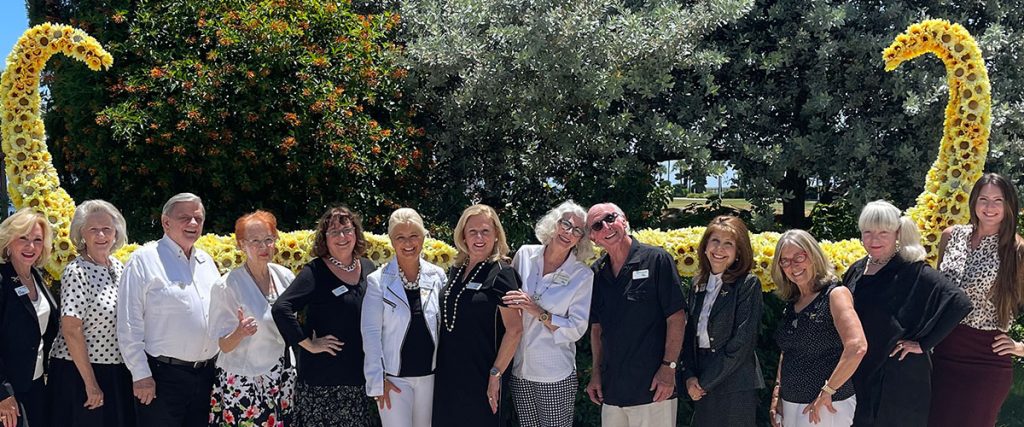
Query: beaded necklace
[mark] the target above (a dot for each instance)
(409, 286)
(347, 268)
(448, 290)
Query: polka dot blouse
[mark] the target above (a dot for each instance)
(89, 292)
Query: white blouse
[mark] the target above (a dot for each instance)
(710, 295)
(544, 355)
(259, 353)
(88, 292)
(42, 307)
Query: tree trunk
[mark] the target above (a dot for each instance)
(793, 209)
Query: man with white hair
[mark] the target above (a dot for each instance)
(163, 320)
(637, 325)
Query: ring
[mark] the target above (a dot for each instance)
(901, 345)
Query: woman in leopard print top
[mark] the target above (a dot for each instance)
(973, 370)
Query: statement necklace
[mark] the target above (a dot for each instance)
(880, 261)
(450, 326)
(347, 268)
(409, 286)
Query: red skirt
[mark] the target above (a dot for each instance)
(969, 381)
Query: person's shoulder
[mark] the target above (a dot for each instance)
(430, 268)
(147, 250)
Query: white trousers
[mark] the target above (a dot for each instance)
(660, 414)
(413, 407)
(793, 416)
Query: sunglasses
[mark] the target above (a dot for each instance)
(608, 219)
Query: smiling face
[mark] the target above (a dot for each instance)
(721, 251)
(990, 207)
(258, 242)
(568, 232)
(99, 234)
(407, 239)
(184, 224)
(25, 250)
(480, 238)
(341, 239)
(607, 227)
(880, 244)
(796, 264)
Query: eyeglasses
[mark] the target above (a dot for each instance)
(608, 219)
(259, 243)
(568, 227)
(798, 259)
(340, 232)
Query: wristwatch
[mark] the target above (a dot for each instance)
(672, 365)
(544, 317)
(495, 372)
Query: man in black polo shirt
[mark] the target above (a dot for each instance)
(637, 323)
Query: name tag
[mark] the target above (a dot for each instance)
(474, 286)
(560, 279)
(340, 290)
(641, 274)
(424, 293)
(21, 290)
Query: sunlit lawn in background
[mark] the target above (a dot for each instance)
(679, 202)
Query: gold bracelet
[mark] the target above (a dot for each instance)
(825, 388)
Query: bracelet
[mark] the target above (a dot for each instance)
(825, 388)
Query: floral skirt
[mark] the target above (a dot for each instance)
(331, 406)
(261, 401)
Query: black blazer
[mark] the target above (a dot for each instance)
(733, 326)
(19, 332)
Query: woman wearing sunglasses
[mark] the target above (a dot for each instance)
(555, 303)
(720, 367)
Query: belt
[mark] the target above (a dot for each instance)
(178, 362)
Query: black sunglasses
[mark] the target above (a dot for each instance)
(608, 219)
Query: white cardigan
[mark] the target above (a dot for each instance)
(386, 315)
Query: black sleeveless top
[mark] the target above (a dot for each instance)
(811, 347)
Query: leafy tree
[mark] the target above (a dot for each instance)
(287, 105)
(805, 96)
(527, 103)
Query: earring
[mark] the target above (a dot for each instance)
(897, 247)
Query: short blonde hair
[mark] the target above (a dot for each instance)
(500, 246)
(89, 208)
(824, 271)
(20, 224)
(547, 228)
(406, 216)
(883, 216)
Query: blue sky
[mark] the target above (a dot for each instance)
(13, 22)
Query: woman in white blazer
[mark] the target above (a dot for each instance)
(399, 326)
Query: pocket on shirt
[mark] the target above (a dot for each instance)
(638, 294)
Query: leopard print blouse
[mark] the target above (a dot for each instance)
(975, 271)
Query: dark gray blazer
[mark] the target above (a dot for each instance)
(733, 326)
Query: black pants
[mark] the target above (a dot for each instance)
(183, 396)
(68, 391)
(33, 406)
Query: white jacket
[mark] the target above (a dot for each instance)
(385, 319)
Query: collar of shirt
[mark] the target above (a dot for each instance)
(168, 244)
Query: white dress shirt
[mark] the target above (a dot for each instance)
(43, 308)
(544, 355)
(257, 354)
(710, 295)
(164, 304)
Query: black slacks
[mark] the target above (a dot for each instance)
(182, 396)
(33, 406)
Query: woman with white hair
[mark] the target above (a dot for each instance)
(90, 382)
(555, 302)
(906, 307)
(399, 326)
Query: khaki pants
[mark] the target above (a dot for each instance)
(660, 414)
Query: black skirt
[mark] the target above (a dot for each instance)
(68, 391)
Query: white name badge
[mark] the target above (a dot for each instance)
(474, 286)
(340, 290)
(21, 290)
(641, 274)
(560, 279)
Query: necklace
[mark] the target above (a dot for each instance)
(346, 268)
(409, 286)
(448, 290)
(880, 261)
(271, 294)
(109, 268)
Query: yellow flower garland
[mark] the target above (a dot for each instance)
(33, 180)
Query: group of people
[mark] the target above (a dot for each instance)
(165, 340)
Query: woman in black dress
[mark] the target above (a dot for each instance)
(479, 334)
(906, 307)
(329, 390)
(720, 368)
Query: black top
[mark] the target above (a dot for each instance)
(811, 347)
(19, 331)
(631, 309)
(902, 301)
(332, 307)
(418, 346)
(466, 353)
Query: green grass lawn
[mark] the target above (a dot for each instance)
(679, 202)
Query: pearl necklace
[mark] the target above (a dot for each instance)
(409, 286)
(448, 290)
(346, 268)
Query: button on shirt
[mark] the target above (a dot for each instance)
(544, 355)
(710, 295)
(164, 304)
(259, 353)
